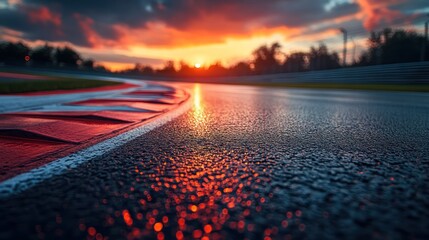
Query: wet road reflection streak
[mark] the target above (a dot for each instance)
(199, 116)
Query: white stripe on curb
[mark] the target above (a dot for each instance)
(35, 176)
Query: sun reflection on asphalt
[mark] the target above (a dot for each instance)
(199, 118)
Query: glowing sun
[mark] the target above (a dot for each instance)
(197, 65)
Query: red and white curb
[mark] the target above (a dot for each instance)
(39, 143)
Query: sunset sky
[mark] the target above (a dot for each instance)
(120, 33)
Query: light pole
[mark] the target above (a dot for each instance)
(344, 31)
(425, 42)
(354, 51)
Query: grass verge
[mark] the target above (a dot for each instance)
(10, 87)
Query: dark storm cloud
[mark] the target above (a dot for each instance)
(293, 13)
(15, 20)
(84, 22)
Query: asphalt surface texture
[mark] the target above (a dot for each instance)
(249, 163)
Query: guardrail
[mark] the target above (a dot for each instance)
(417, 72)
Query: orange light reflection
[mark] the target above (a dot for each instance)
(200, 118)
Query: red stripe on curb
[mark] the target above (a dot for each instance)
(27, 139)
(32, 139)
(18, 153)
(91, 116)
(140, 105)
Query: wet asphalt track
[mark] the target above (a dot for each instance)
(249, 163)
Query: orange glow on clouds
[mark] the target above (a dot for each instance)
(44, 15)
(225, 34)
(228, 52)
(376, 11)
(93, 38)
(201, 44)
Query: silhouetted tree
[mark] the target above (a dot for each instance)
(147, 70)
(216, 69)
(296, 62)
(67, 57)
(266, 58)
(241, 68)
(42, 56)
(185, 69)
(390, 46)
(88, 64)
(320, 58)
(13, 53)
(168, 68)
(136, 70)
(100, 68)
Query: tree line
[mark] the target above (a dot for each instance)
(384, 47)
(20, 54)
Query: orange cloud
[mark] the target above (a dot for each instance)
(159, 35)
(207, 28)
(92, 37)
(377, 11)
(44, 15)
(85, 23)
